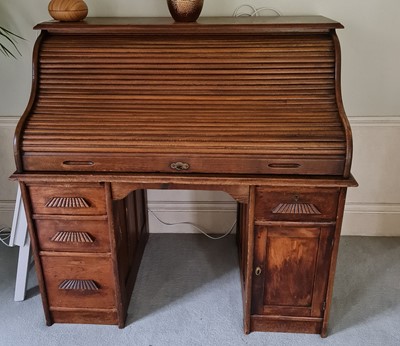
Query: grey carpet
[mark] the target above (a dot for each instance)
(188, 293)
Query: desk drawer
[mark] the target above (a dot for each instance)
(73, 235)
(79, 281)
(296, 204)
(71, 199)
(184, 163)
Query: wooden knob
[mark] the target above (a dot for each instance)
(68, 10)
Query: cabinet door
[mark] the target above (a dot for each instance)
(291, 266)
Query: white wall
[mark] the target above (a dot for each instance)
(371, 90)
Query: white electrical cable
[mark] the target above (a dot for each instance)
(237, 14)
(254, 11)
(5, 234)
(194, 226)
(262, 9)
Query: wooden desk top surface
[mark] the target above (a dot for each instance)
(209, 25)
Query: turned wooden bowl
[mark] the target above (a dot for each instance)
(68, 10)
(185, 10)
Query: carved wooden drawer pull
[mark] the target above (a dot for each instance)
(296, 208)
(72, 237)
(85, 285)
(67, 202)
(180, 166)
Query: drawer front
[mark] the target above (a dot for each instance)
(79, 281)
(182, 163)
(73, 235)
(68, 315)
(296, 204)
(71, 199)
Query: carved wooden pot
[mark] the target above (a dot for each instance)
(68, 10)
(185, 10)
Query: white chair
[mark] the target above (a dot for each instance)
(20, 237)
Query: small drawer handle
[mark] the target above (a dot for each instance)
(72, 237)
(296, 208)
(180, 166)
(67, 202)
(78, 163)
(258, 271)
(79, 285)
(284, 165)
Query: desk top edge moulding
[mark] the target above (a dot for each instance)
(249, 106)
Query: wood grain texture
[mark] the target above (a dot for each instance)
(249, 229)
(79, 235)
(130, 227)
(22, 121)
(285, 204)
(59, 268)
(293, 264)
(342, 113)
(269, 101)
(68, 10)
(192, 179)
(86, 316)
(75, 199)
(185, 10)
(36, 253)
(285, 324)
(333, 261)
(249, 106)
(204, 25)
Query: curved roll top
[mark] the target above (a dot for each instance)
(246, 104)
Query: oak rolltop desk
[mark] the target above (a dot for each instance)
(249, 106)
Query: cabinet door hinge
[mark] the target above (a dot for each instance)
(323, 306)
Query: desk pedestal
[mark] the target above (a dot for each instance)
(89, 234)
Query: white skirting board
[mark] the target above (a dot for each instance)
(6, 212)
(213, 218)
(359, 219)
(373, 208)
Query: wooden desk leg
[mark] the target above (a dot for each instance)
(249, 260)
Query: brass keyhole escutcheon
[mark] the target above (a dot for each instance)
(180, 166)
(258, 271)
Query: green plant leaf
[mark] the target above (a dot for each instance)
(11, 33)
(10, 37)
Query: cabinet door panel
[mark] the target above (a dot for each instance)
(291, 264)
(290, 267)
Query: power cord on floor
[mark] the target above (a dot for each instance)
(253, 11)
(5, 234)
(194, 226)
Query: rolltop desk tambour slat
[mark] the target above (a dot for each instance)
(249, 106)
